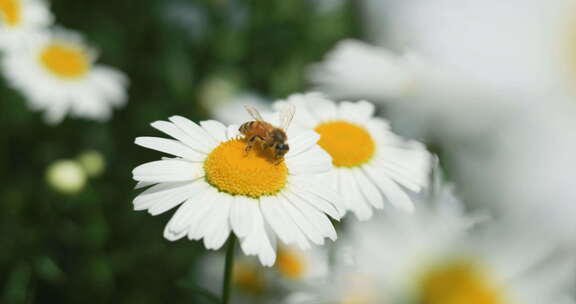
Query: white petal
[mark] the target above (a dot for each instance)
(302, 222)
(325, 190)
(302, 142)
(314, 216)
(352, 197)
(391, 190)
(197, 142)
(169, 202)
(159, 193)
(368, 189)
(315, 201)
(273, 215)
(170, 146)
(259, 241)
(299, 237)
(241, 214)
(313, 161)
(232, 132)
(184, 217)
(171, 170)
(215, 129)
(219, 228)
(198, 230)
(358, 111)
(207, 202)
(194, 131)
(140, 185)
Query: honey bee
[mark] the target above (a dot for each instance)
(269, 136)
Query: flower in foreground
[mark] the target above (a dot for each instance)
(56, 72)
(371, 164)
(222, 189)
(19, 18)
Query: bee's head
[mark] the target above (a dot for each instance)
(281, 149)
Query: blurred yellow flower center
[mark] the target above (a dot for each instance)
(458, 283)
(230, 169)
(349, 144)
(65, 61)
(248, 278)
(291, 263)
(10, 10)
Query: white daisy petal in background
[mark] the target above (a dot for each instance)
(231, 110)
(20, 18)
(356, 69)
(222, 189)
(57, 74)
(371, 164)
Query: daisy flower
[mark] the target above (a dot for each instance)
(223, 189)
(19, 18)
(57, 74)
(371, 164)
(295, 265)
(435, 257)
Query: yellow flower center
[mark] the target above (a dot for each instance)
(291, 263)
(65, 61)
(349, 144)
(248, 278)
(458, 283)
(230, 169)
(10, 12)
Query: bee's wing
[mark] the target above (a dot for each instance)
(254, 113)
(287, 115)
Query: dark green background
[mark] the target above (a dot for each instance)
(92, 247)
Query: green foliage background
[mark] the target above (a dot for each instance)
(92, 247)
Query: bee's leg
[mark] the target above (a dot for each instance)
(251, 141)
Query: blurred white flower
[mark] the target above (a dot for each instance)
(66, 176)
(297, 266)
(356, 69)
(370, 162)
(57, 74)
(225, 189)
(20, 18)
(527, 45)
(251, 282)
(434, 256)
(93, 162)
(232, 111)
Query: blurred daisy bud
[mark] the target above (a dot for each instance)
(356, 69)
(66, 176)
(92, 162)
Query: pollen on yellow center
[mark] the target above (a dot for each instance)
(291, 263)
(254, 174)
(65, 61)
(349, 144)
(10, 10)
(458, 283)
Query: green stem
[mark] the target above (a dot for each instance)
(227, 285)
